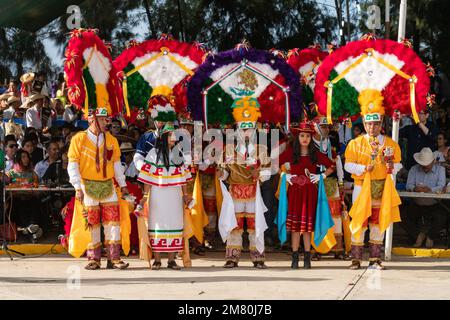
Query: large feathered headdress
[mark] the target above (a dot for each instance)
(159, 67)
(370, 75)
(306, 62)
(243, 85)
(90, 74)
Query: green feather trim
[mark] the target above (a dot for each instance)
(139, 90)
(166, 116)
(90, 88)
(308, 95)
(219, 112)
(345, 98)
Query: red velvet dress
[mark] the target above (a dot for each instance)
(302, 194)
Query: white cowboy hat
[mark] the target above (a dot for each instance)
(425, 157)
(126, 147)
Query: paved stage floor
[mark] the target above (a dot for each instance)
(63, 277)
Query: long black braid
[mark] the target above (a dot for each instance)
(163, 150)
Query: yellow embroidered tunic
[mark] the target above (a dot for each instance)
(359, 151)
(82, 151)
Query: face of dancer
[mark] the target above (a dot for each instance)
(304, 138)
(373, 128)
(171, 139)
(102, 123)
(325, 129)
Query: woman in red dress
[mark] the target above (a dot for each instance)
(302, 162)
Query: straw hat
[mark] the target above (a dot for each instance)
(425, 157)
(31, 99)
(27, 77)
(5, 96)
(12, 99)
(126, 147)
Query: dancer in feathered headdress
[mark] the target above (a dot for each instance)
(155, 74)
(374, 78)
(94, 154)
(154, 77)
(244, 86)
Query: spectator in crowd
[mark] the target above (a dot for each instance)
(357, 130)
(426, 176)
(34, 115)
(419, 136)
(13, 88)
(3, 101)
(70, 114)
(58, 108)
(116, 127)
(440, 154)
(57, 170)
(11, 148)
(29, 144)
(441, 121)
(13, 104)
(134, 133)
(22, 174)
(22, 171)
(66, 129)
(52, 156)
(127, 151)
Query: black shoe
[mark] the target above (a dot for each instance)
(259, 265)
(294, 264)
(156, 265)
(316, 256)
(307, 260)
(200, 251)
(230, 264)
(172, 264)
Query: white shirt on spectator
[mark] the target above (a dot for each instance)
(9, 113)
(69, 115)
(9, 163)
(33, 118)
(41, 167)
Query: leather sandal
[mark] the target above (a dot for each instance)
(377, 264)
(259, 265)
(230, 264)
(355, 265)
(92, 265)
(172, 264)
(119, 264)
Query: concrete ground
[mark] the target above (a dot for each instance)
(63, 277)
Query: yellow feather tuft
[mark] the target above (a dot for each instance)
(371, 101)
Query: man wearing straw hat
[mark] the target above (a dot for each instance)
(428, 177)
(34, 114)
(13, 104)
(3, 100)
